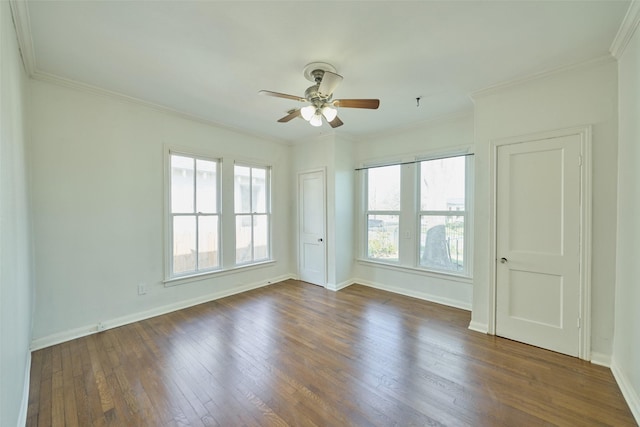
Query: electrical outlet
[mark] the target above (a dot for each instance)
(100, 327)
(142, 289)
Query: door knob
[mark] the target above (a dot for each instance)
(503, 260)
(320, 240)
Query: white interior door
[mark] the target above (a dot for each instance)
(313, 255)
(538, 243)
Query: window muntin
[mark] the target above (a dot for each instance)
(442, 214)
(252, 211)
(195, 217)
(383, 213)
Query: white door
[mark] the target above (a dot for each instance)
(538, 243)
(312, 257)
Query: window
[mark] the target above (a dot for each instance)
(252, 211)
(383, 212)
(194, 215)
(416, 214)
(442, 214)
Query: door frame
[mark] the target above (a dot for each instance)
(323, 170)
(584, 132)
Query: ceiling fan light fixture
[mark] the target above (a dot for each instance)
(329, 113)
(316, 120)
(308, 112)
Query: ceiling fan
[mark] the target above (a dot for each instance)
(320, 97)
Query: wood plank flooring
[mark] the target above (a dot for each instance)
(294, 354)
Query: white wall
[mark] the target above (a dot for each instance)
(97, 189)
(447, 135)
(626, 343)
(16, 289)
(335, 156)
(581, 96)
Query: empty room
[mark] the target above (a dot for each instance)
(305, 213)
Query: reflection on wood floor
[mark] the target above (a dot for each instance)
(299, 355)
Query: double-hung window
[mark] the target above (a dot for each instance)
(383, 212)
(194, 224)
(252, 186)
(425, 202)
(443, 214)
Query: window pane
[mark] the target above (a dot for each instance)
(442, 184)
(243, 238)
(384, 188)
(182, 169)
(206, 188)
(184, 243)
(259, 190)
(382, 237)
(242, 189)
(442, 242)
(260, 237)
(207, 242)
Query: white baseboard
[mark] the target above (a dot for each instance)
(71, 334)
(479, 327)
(420, 295)
(24, 405)
(339, 286)
(601, 359)
(630, 394)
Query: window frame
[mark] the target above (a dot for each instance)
(253, 214)
(420, 213)
(409, 215)
(170, 274)
(368, 213)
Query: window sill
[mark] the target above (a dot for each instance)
(175, 281)
(416, 270)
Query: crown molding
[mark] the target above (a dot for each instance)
(95, 90)
(627, 29)
(590, 63)
(22, 24)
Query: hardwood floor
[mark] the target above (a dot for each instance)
(296, 354)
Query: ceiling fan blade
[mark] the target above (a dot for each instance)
(281, 95)
(292, 115)
(329, 83)
(371, 104)
(335, 122)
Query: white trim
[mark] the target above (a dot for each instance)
(491, 90)
(180, 280)
(628, 27)
(414, 294)
(601, 359)
(584, 346)
(478, 327)
(95, 90)
(626, 387)
(340, 286)
(370, 262)
(24, 404)
(71, 334)
(22, 24)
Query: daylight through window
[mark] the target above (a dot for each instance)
(195, 218)
(252, 210)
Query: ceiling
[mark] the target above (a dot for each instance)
(209, 59)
